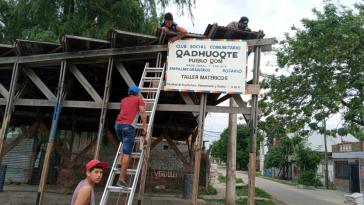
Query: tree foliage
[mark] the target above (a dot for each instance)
(321, 70)
(45, 20)
(293, 151)
(219, 147)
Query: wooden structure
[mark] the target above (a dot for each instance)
(79, 82)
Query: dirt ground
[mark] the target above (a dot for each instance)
(26, 195)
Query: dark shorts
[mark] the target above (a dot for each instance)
(126, 135)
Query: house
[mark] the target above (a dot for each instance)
(348, 159)
(316, 142)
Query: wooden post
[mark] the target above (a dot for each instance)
(196, 173)
(8, 109)
(105, 102)
(231, 158)
(253, 124)
(52, 134)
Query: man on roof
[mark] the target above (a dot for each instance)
(169, 25)
(241, 25)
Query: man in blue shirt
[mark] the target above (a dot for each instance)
(169, 25)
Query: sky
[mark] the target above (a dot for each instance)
(275, 18)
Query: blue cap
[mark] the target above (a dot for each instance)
(133, 90)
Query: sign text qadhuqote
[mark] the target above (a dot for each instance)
(207, 66)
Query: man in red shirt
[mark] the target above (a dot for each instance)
(130, 109)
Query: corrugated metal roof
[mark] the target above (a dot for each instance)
(18, 161)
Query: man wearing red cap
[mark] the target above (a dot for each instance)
(84, 192)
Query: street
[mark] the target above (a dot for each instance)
(292, 195)
(289, 195)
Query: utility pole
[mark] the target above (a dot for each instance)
(326, 158)
(231, 158)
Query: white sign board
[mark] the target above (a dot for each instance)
(213, 66)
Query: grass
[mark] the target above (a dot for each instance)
(222, 179)
(243, 191)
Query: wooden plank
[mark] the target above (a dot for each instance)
(87, 39)
(239, 101)
(195, 108)
(252, 89)
(100, 53)
(88, 87)
(39, 83)
(3, 91)
(188, 100)
(197, 164)
(223, 99)
(124, 74)
(9, 108)
(261, 42)
(107, 88)
(253, 127)
(231, 158)
(155, 142)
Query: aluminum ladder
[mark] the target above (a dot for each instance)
(150, 86)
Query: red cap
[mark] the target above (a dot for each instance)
(95, 163)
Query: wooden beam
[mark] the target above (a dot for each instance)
(156, 142)
(239, 101)
(105, 101)
(88, 87)
(177, 151)
(124, 74)
(261, 42)
(223, 98)
(188, 100)
(100, 53)
(3, 91)
(39, 83)
(198, 146)
(9, 108)
(195, 108)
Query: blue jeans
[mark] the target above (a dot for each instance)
(126, 135)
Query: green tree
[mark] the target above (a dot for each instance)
(45, 20)
(219, 147)
(280, 156)
(320, 74)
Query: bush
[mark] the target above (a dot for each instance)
(308, 177)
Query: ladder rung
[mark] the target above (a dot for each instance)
(154, 69)
(148, 90)
(128, 171)
(148, 79)
(140, 126)
(119, 189)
